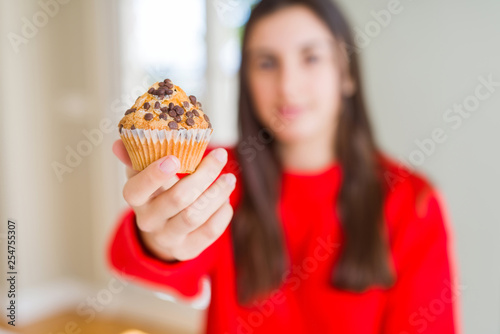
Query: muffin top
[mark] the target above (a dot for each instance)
(165, 106)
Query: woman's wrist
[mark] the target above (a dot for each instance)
(149, 243)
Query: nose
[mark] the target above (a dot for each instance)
(289, 81)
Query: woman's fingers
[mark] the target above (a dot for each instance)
(192, 244)
(190, 187)
(167, 185)
(141, 187)
(206, 234)
(201, 210)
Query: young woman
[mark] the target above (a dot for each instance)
(327, 233)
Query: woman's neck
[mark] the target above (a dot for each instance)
(307, 155)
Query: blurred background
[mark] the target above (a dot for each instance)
(70, 68)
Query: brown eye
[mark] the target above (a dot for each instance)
(266, 63)
(312, 59)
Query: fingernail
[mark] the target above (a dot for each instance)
(230, 179)
(220, 154)
(227, 200)
(169, 165)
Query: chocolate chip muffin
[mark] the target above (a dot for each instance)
(165, 121)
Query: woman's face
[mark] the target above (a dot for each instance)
(294, 74)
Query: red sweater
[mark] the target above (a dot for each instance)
(423, 300)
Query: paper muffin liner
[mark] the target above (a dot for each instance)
(147, 146)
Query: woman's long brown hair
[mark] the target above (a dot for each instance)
(260, 256)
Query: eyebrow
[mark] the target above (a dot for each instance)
(263, 51)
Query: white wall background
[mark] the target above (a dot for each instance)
(63, 81)
(428, 58)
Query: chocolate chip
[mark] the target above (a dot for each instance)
(189, 114)
(131, 110)
(206, 118)
(151, 90)
(167, 81)
(192, 98)
(190, 121)
(169, 85)
(169, 92)
(185, 104)
(149, 116)
(172, 113)
(157, 105)
(164, 109)
(161, 91)
(161, 84)
(195, 112)
(132, 127)
(198, 104)
(146, 106)
(173, 125)
(161, 97)
(179, 111)
(163, 116)
(209, 125)
(171, 105)
(178, 119)
(120, 127)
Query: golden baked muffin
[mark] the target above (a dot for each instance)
(165, 121)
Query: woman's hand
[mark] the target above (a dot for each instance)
(179, 218)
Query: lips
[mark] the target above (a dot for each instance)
(289, 112)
